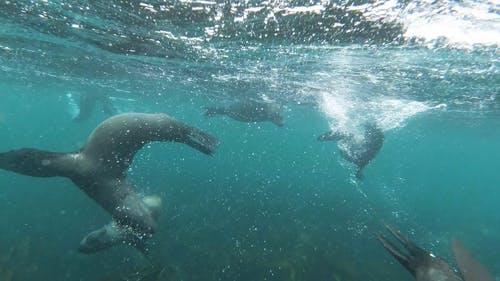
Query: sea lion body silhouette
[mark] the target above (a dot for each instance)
(358, 151)
(99, 169)
(425, 266)
(250, 111)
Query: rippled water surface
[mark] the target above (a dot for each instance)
(273, 203)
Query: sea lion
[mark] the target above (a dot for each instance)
(470, 268)
(425, 266)
(100, 167)
(359, 151)
(250, 111)
(88, 101)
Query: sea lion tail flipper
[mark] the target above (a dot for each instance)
(396, 253)
(409, 245)
(401, 238)
(201, 141)
(35, 163)
(212, 111)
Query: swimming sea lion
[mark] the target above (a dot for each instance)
(425, 266)
(88, 101)
(250, 111)
(99, 169)
(358, 151)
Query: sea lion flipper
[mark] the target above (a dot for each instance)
(409, 245)
(414, 250)
(36, 163)
(201, 141)
(331, 136)
(422, 264)
(416, 256)
(212, 111)
(470, 268)
(108, 236)
(115, 233)
(395, 252)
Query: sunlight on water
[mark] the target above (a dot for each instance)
(347, 113)
(392, 113)
(461, 24)
(273, 203)
(337, 108)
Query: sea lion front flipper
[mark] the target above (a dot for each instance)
(115, 233)
(200, 140)
(470, 268)
(108, 236)
(212, 111)
(331, 136)
(37, 163)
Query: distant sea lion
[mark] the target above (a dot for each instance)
(358, 151)
(99, 169)
(250, 111)
(425, 266)
(88, 101)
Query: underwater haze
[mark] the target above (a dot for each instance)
(273, 203)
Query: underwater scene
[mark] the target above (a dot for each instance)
(250, 140)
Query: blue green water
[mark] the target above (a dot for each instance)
(273, 203)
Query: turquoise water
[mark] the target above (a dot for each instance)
(272, 203)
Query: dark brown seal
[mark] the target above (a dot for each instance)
(100, 167)
(250, 111)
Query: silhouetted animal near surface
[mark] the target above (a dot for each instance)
(88, 101)
(425, 266)
(100, 167)
(359, 151)
(250, 111)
